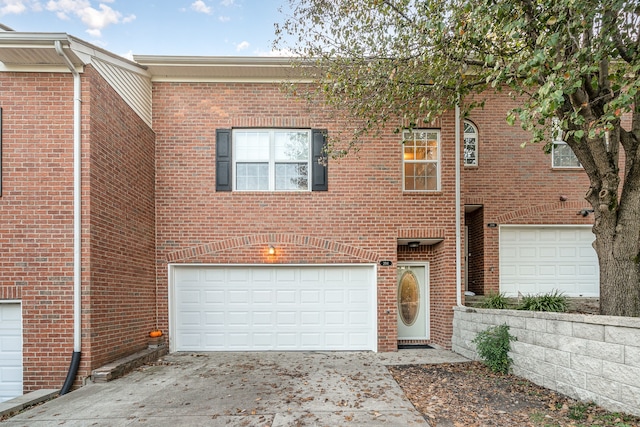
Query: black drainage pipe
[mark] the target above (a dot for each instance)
(71, 375)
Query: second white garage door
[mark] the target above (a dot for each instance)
(10, 351)
(535, 260)
(273, 308)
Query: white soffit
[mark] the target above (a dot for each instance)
(221, 69)
(134, 88)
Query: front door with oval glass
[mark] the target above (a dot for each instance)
(413, 302)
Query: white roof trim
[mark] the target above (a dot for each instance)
(225, 69)
(35, 52)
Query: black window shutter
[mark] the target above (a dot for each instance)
(319, 167)
(223, 160)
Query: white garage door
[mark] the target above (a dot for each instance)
(537, 260)
(273, 308)
(10, 351)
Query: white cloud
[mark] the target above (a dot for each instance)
(12, 7)
(224, 18)
(63, 8)
(227, 3)
(96, 20)
(201, 7)
(16, 7)
(242, 46)
(128, 55)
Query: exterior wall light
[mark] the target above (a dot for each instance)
(414, 244)
(272, 250)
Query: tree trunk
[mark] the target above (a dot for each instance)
(619, 286)
(617, 249)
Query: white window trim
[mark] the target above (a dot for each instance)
(438, 163)
(272, 161)
(475, 137)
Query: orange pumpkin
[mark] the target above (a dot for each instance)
(155, 334)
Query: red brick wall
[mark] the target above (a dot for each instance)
(36, 213)
(121, 182)
(36, 236)
(360, 217)
(516, 185)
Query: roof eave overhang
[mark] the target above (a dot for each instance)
(224, 68)
(36, 52)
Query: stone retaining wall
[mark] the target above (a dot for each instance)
(586, 357)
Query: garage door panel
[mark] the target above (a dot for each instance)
(190, 318)
(188, 296)
(548, 252)
(211, 297)
(310, 275)
(286, 297)
(310, 297)
(567, 270)
(191, 276)
(275, 308)
(286, 318)
(546, 236)
(334, 297)
(238, 297)
(262, 296)
(311, 340)
(311, 318)
(547, 270)
(358, 318)
(535, 260)
(528, 236)
(334, 318)
(214, 318)
(287, 340)
(570, 252)
(527, 252)
(359, 296)
(11, 375)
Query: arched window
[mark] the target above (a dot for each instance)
(470, 144)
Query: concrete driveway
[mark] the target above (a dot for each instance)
(245, 389)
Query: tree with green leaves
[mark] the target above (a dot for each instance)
(572, 64)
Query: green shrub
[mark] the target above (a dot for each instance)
(554, 301)
(493, 345)
(495, 300)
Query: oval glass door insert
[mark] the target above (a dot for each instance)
(408, 298)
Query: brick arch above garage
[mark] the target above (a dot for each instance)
(290, 248)
(548, 213)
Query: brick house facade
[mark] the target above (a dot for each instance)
(164, 244)
(513, 186)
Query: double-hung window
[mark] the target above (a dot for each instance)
(421, 160)
(562, 156)
(270, 160)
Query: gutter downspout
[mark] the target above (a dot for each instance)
(77, 224)
(458, 212)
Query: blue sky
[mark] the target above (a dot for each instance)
(155, 27)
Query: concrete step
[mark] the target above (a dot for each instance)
(123, 366)
(17, 404)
